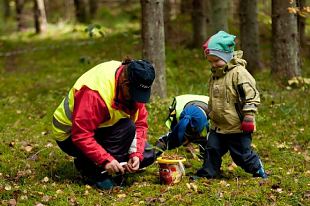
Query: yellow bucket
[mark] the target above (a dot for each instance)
(170, 171)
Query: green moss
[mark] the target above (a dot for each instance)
(34, 81)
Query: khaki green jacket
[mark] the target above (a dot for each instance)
(232, 95)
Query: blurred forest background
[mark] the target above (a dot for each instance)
(281, 24)
(45, 45)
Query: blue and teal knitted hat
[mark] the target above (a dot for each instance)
(221, 45)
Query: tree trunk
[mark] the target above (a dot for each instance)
(249, 34)
(208, 19)
(186, 6)
(6, 8)
(285, 44)
(219, 15)
(167, 19)
(93, 6)
(21, 25)
(40, 22)
(154, 42)
(301, 24)
(234, 13)
(81, 11)
(199, 23)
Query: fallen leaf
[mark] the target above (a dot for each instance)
(232, 166)
(121, 195)
(44, 133)
(12, 202)
(33, 157)
(7, 187)
(221, 195)
(46, 198)
(282, 146)
(161, 200)
(45, 179)
(12, 144)
(28, 148)
(72, 201)
(279, 190)
(307, 194)
(49, 145)
(223, 183)
(194, 186)
(137, 194)
(59, 191)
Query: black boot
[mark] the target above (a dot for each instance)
(161, 144)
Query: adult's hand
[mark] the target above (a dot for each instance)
(114, 167)
(133, 164)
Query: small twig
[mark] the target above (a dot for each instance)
(32, 156)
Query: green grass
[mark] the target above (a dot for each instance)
(34, 170)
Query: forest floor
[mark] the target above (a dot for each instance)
(36, 71)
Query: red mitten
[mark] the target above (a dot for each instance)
(248, 123)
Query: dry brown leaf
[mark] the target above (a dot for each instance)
(59, 191)
(307, 194)
(194, 186)
(72, 201)
(232, 166)
(137, 194)
(121, 195)
(46, 198)
(279, 190)
(12, 202)
(45, 179)
(49, 145)
(28, 148)
(12, 144)
(223, 183)
(161, 200)
(8, 187)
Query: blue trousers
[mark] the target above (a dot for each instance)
(239, 147)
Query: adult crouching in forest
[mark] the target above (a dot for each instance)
(102, 122)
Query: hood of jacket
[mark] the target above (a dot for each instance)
(236, 60)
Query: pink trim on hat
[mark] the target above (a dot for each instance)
(205, 47)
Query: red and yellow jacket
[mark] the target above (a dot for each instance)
(92, 103)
